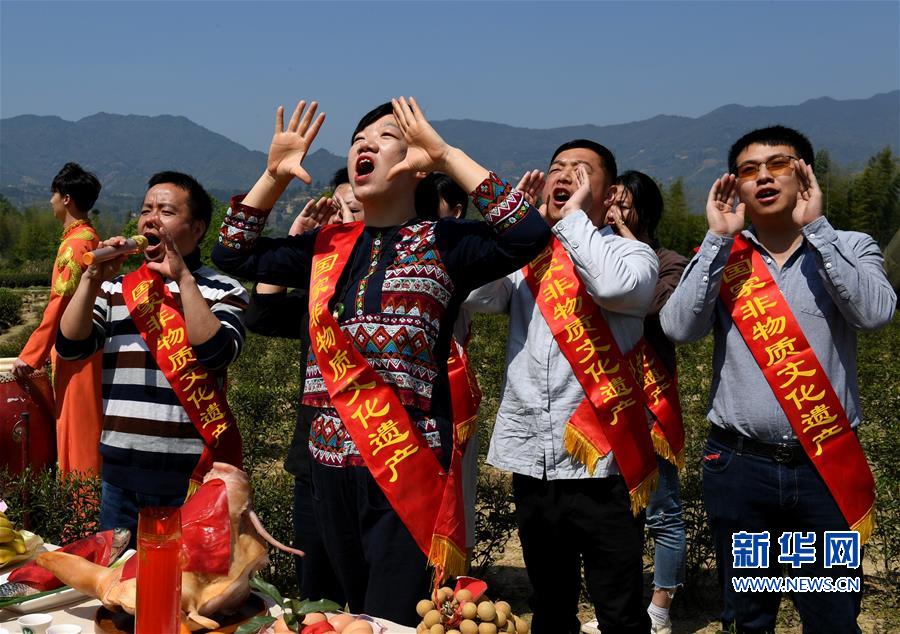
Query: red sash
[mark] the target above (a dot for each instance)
(160, 323)
(427, 500)
(661, 398)
(465, 395)
(777, 343)
(613, 415)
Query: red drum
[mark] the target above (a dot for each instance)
(27, 421)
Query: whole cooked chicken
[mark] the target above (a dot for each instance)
(222, 547)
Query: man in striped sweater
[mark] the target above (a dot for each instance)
(168, 332)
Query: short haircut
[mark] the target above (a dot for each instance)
(435, 187)
(607, 160)
(82, 186)
(773, 135)
(371, 117)
(341, 177)
(646, 200)
(199, 201)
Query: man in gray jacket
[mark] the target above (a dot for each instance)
(566, 512)
(785, 299)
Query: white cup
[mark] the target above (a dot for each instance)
(34, 623)
(65, 628)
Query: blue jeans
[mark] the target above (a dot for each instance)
(665, 522)
(746, 492)
(119, 507)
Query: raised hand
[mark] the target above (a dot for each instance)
(342, 209)
(171, 264)
(581, 198)
(314, 214)
(722, 216)
(289, 147)
(531, 185)
(427, 151)
(619, 225)
(809, 197)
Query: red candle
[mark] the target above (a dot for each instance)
(159, 571)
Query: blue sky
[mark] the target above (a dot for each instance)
(227, 65)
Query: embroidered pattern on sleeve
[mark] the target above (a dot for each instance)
(242, 225)
(500, 204)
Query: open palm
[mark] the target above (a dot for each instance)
(290, 146)
(426, 150)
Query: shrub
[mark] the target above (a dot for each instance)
(60, 508)
(495, 518)
(10, 307)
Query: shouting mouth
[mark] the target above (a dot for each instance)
(364, 167)
(767, 195)
(561, 196)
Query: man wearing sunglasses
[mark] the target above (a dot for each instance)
(784, 475)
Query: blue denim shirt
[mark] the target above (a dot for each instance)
(540, 391)
(835, 286)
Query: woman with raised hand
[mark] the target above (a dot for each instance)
(384, 295)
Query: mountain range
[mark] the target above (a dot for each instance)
(124, 150)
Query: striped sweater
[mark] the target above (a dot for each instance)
(148, 442)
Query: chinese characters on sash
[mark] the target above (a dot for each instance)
(162, 326)
(774, 337)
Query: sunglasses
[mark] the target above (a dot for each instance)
(776, 166)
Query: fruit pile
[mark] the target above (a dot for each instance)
(15, 545)
(12, 542)
(459, 612)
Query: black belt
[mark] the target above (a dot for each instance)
(783, 453)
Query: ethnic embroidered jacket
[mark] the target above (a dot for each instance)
(397, 300)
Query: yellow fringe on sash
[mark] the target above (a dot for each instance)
(640, 496)
(192, 488)
(865, 526)
(664, 450)
(448, 560)
(465, 429)
(580, 448)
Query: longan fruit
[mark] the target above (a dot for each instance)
(469, 610)
(437, 628)
(486, 611)
(433, 617)
(521, 625)
(500, 620)
(421, 629)
(468, 626)
(487, 628)
(504, 607)
(464, 595)
(452, 631)
(424, 606)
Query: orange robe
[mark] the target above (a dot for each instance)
(76, 384)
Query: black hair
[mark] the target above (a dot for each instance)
(771, 136)
(607, 160)
(435, 187)
(82, 186)
(199, 201)
(646, 200)
(340, 177)
(427, 199)
(371, 117)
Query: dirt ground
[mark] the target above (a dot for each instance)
(695, 614)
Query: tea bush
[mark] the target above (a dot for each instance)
(10, 308)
